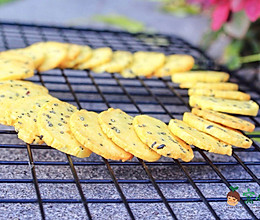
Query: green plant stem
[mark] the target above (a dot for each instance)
(250, 58)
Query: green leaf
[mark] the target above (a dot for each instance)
(231, 56)
(5, 1)
(209, 38)
(122, 22)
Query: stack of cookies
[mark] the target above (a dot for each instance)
(44, 56)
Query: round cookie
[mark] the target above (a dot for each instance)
(99, 56)
(53, 125)
(55, 53)
(157, 136)
(73, 51)
(24, 117)
(86, 129)
(118, 126)
(197, 138)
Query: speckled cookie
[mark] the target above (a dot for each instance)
(226, 86)
(175, 63)
(157, 136)
(118, 126)
(99, 56)
(223, 133)
(235, 95)
(224, 119)
(225, 105)
(120, 60)
(86, 129)
(73, 50)
(24, 117)
(53, 125)
(55, 53)
(12, 68)
(83, 56)
(200, 76)
(144, 64)
(199, 139)
(13, 90)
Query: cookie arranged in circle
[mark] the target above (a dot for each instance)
(224, 119)
(235, 95)
(118, 126)
(12, 91)
(120, 60)
(86, 129)
(200, 76)
(24, 117)
(15, 68)
(144, 64)
(199, 139)
(53, 125)
(225, 105)
(226, 86)
(175, 63)
(223, 133)
(156, 135)
(55, 53)
(73, 50)
(99, 56)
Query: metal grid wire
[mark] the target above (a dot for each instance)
(95, 188)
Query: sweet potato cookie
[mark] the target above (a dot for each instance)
(53, 125)
(99, 56)
(86, 129)
(120, 60)
(236, 95)
(226, 86)
(199, 139)
(144, 64)
(73, 51)
(200, 76)
(223, 133)
(24, 117)
(157, 136)
(83, 56)
(175, 63)
(12, 68)
(224, 119)
(118, 126)
(13, 90)
(55, 53)
(225, 105)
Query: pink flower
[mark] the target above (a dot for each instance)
(222, 9)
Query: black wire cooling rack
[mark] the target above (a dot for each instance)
(38, 182)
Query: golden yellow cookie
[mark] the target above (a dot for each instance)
(36, 57)
(86, 129)
(157, 136)
(24, 117)
(224, 119)
(199, 139)
(223, 133)
(55, 53)
(11, 68)
(236, 95)
(226, 86)
(12, 91)
(200, 76)
(83, 56)
(175, 63)
(99, 56)
(144, 64)
(118, 126)
(73, 50)
(225, 105)
(120, 60)
(53, 125)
